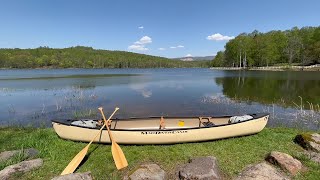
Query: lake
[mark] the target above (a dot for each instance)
(34, 97)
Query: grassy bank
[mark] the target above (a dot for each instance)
(233, 154)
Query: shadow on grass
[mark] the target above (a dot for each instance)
(87, 156)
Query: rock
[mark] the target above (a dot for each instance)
(7, 155)
(309, 141)
(148, 172)
(27, 153)
(316, 137)
(313, 156)
(75, 176)
(23, 166)
(204, 168)
(285, 161)
(315, 146)
(261, 171)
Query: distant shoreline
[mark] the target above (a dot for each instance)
(274, 68)
(102, 68)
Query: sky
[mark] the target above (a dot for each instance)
(168, 28)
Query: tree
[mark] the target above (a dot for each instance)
(218, 59)
(274, 47)
(294, 45)
(85, 57)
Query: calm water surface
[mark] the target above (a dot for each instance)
(33, 97)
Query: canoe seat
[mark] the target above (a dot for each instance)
(206, 123)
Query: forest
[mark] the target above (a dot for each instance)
(86, 57)
(289, 47)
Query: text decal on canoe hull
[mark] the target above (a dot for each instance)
(164, 132)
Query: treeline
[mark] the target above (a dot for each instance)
(86, 57)
(299, 46)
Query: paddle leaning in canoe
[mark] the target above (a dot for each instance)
(118, 156)
(161, 130)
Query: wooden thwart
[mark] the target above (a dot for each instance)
(162, 123)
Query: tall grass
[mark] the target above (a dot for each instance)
(297, 116)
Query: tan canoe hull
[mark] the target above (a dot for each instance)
(170, 136)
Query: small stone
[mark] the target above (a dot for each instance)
(285, 161)
(7, 155)
(204, 168)
(316, 138)
(313, 156)
(28, 153)
(261, 171)
(148, 172)
(31, 152)
(23, 166)
(75, 176)
(315, 146)
(309, 141)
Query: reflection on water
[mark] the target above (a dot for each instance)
(283, 88)
(141, 88)
(33, 97)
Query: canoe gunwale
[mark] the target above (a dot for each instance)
(67, 122)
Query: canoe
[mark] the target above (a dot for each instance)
(162, 130)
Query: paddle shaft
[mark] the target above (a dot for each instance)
(106, 123)
(103, 125)
(74, 163)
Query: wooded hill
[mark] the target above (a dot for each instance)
(85, 57)
(300, 46)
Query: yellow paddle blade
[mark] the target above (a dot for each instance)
(72, 166)
(117, 153)
(118, 156)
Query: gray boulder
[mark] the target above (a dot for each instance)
(313, 156)
(148, 172)
(27, 153)
(23, 166)
(261, 171)
(204, 168)
(285, 161)
(75, 176)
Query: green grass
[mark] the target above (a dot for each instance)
(233, 154)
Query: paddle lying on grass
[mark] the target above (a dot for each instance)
(117, 153)
(74, 163)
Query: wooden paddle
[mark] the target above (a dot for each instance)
(74, 163)
(117, 153)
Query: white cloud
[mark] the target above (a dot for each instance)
(140, 45)
(161, 49)
(144, 40)
(219, 37)
(179, 46)
(140, 27)
(188, 55)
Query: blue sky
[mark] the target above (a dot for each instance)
(169, 28)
